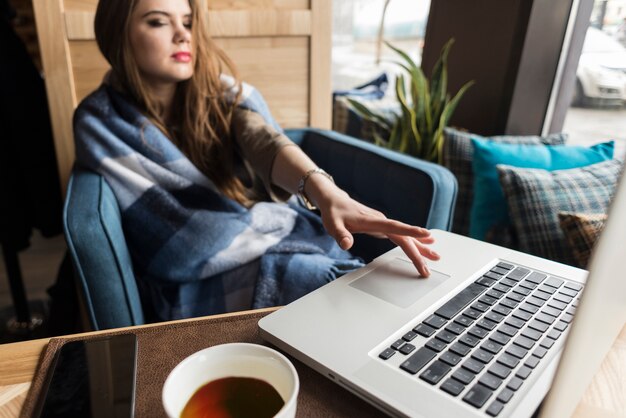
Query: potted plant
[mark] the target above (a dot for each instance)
(426, 109)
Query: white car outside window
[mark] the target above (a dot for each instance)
(601, 73)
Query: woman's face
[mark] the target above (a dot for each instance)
(160, 40)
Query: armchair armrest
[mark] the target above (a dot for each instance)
(402, 187)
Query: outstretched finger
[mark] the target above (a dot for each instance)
(412, 251)
(388, 227)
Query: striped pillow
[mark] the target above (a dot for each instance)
(535, 197)
(581, 232)
(458, 154)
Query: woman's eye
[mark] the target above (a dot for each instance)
(156, 23)
(187, 25)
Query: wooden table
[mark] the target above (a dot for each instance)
(605, 397)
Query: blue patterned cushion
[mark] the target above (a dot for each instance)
(489, 207)
(535, 197)
(457, 157)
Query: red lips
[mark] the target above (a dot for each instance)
(182, 57)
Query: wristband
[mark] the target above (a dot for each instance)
(302, 195)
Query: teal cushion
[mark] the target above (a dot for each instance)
(489, 210)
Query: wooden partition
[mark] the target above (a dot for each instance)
(282, 47)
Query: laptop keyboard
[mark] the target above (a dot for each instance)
(486, 341)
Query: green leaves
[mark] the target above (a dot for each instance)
(426, 108)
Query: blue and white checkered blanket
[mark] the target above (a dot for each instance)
(193, 248)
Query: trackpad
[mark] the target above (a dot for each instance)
(397, 282)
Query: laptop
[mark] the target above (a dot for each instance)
(492, 332)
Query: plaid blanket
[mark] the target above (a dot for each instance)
(193, 249)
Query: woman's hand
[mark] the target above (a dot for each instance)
(343, 216)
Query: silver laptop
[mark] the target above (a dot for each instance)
(490, 333)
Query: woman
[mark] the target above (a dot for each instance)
(177, 142)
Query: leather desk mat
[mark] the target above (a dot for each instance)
(161, 348)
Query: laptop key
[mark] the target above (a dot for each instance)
(500, 370)
(516, 297)
(452, 386)
(435, 321)
(550, 311)
(517, 351)
(568, 292)
(494, 316)
(532, 362)
(494, 294)
(472, 313)
(509, 303)
(508, 330)
(460, 349)
(450, 358)
(492, 275)
(454, 328)
(518, 274)
(466, 321)
(528, 284)
(488, 300)
(574, 286)
(536, 277)
(436, 345)
(502, 310)
(501, 288)
(407, 348)
(522, 290)
(508, 282)
(473, 366)
(557, 304)
(505, 395)
(554, 334)
(533, 300)
(485, 281)
(499, 271)
(524, 342)
(515, 322)
(563, 298)
(495, 408)
(396, 345)
(479, 306)
(532, 334)
(424, 330)
(547, 289)
(455, 305)
(547, 343)
(469, 340)
(545, 318)
(540, 352)
(542, 295)
(554, 282)
(515, 383)
(560, 326)
(409, 336)
(523, 315)
(482, 355)
(387, 353)
(486, 324)
(500, 338)
(529, 308)
(505, 266)
(464, 376)
(478, 332)
(418, 360)
(508, 360)
(435, 372)
(477, 396)
(446, 336)
(491, 346)
(491, 381)
(538, 325)
(523, 372)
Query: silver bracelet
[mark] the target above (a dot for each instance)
(302, 195)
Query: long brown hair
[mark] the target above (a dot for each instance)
(201, 117)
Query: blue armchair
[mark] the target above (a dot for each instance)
(402, 187)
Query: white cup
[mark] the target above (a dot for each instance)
(231, 360)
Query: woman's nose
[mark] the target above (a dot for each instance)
(182, 34)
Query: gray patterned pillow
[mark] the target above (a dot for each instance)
(535, 198)
(457, 157)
